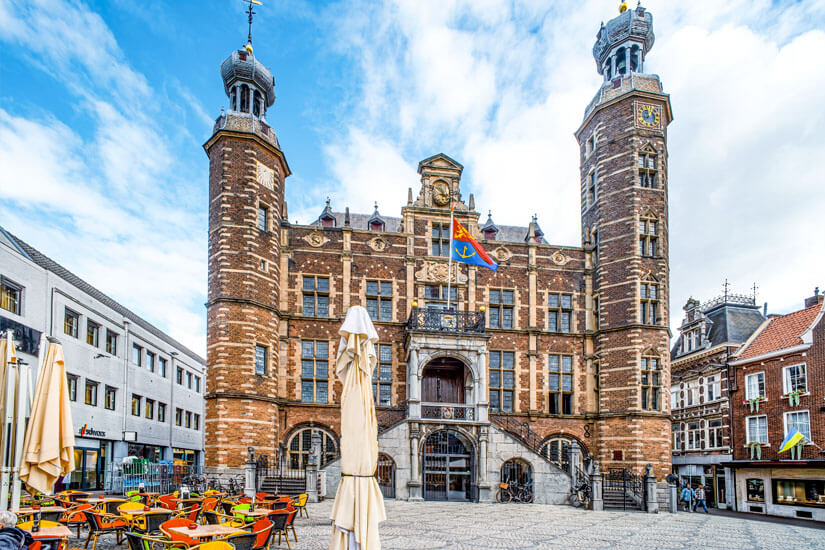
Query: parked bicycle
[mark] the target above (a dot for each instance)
(580, 494)
(510, 491)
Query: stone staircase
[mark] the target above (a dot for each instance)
(618, 500)
(284, 486)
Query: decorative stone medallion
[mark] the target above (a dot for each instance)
(559, 258)
(502, 254)
(436, 272)
(379, 244)
(316, 239)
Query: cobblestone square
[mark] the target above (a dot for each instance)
(431, 525)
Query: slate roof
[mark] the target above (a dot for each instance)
(782, 332)
(506, 233)
(50, 265)
(729, 323)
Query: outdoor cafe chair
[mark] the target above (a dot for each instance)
(279, 522)
(139, 541)
(239, 510)
(215, 545)
(102, 524)
(241, 541)
(264, 496)
(136, 496)
(168, 501)
(300, 502)
(262, 529)
(192, 513)
(175, 535)
(74, 516)
(209, 504)
(227, 506)
(111, 505)
(150, 522)
(223, 519)
(290, 523)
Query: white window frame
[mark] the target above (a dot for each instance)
(711, 429)
(748, 429)
(674, 397)
(716, 384)
(677, 437)
(785, 422)
(786, 378)
(747, 387)
(694, 437)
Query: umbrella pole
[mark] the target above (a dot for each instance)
(8, 416)
(24, 395)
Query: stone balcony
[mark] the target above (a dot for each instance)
(446, 321)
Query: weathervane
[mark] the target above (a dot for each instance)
(250, 12)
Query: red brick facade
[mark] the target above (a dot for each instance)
(618, 413)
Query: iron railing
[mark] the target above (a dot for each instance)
(389, 417)
(440, 320)
(149, 476)
(629, 484)
(447, 412)
(522, 432)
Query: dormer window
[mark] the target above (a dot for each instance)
(376, 226)
(490, 235)
(489, 230)
(328, 222)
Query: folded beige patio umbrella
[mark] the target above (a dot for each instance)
(47, 448)
(359, 504)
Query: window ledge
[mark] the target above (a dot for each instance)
(803, 394)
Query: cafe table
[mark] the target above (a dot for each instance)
(206, 531)
(29, 510)
(54, 532)
(256, 513)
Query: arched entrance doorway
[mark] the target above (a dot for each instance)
(442, 381)
(448, 467)
(385, 473)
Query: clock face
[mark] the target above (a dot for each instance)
(648, 116)
(441, 193)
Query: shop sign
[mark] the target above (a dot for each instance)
(86, 431)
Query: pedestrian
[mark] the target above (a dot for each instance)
(12, 537)
(700, 499)
(686, 496)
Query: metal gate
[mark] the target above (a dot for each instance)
(627, 484)
(385, 474)
(448, 467)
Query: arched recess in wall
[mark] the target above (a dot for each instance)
(299, 446)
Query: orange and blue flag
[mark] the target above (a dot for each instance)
(467, 250)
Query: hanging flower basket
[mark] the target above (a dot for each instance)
(756, 450)
(753, 403)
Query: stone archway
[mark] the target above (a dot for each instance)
(448, 466)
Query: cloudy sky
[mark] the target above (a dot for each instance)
(104, 107)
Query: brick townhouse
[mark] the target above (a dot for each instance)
(778, 384)
(561, 355)
(699, 399)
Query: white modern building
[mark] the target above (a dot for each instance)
(135, 391)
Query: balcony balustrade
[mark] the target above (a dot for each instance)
(448, 411)
(442, 320)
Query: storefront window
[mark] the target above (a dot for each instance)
(802, 492)
(756, 490)
(149, 452)
(185, 457)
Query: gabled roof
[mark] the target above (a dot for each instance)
(782, 333)
(50, 265)
(452, 163)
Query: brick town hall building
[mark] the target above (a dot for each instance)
(560, 356)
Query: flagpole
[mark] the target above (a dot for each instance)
(450, 256)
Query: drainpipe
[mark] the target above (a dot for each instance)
(731, 428)
(126, 397)
(171, 412)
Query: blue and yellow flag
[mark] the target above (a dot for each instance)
(794, 437)
(467, 250)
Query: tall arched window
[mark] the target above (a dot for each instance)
(256, 103)
(299, 447)
(233, 99)
(557, 449)
(244, 98)
(651, 381)
(649, 300)
(517, 471)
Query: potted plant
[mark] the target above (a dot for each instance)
(753, 403)
(756, 450)
(793, 397)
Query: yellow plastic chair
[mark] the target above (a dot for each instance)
(126, 509)
(300, 502)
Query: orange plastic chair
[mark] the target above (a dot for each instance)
(168, 501)
(262, 529)
(209, 504)
(74, 516)
(174, 535)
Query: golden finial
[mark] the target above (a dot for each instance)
(623, 7)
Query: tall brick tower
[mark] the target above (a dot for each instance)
(623, 142)
(246, 205)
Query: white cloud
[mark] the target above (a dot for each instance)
(502, 88)
(104, 205)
